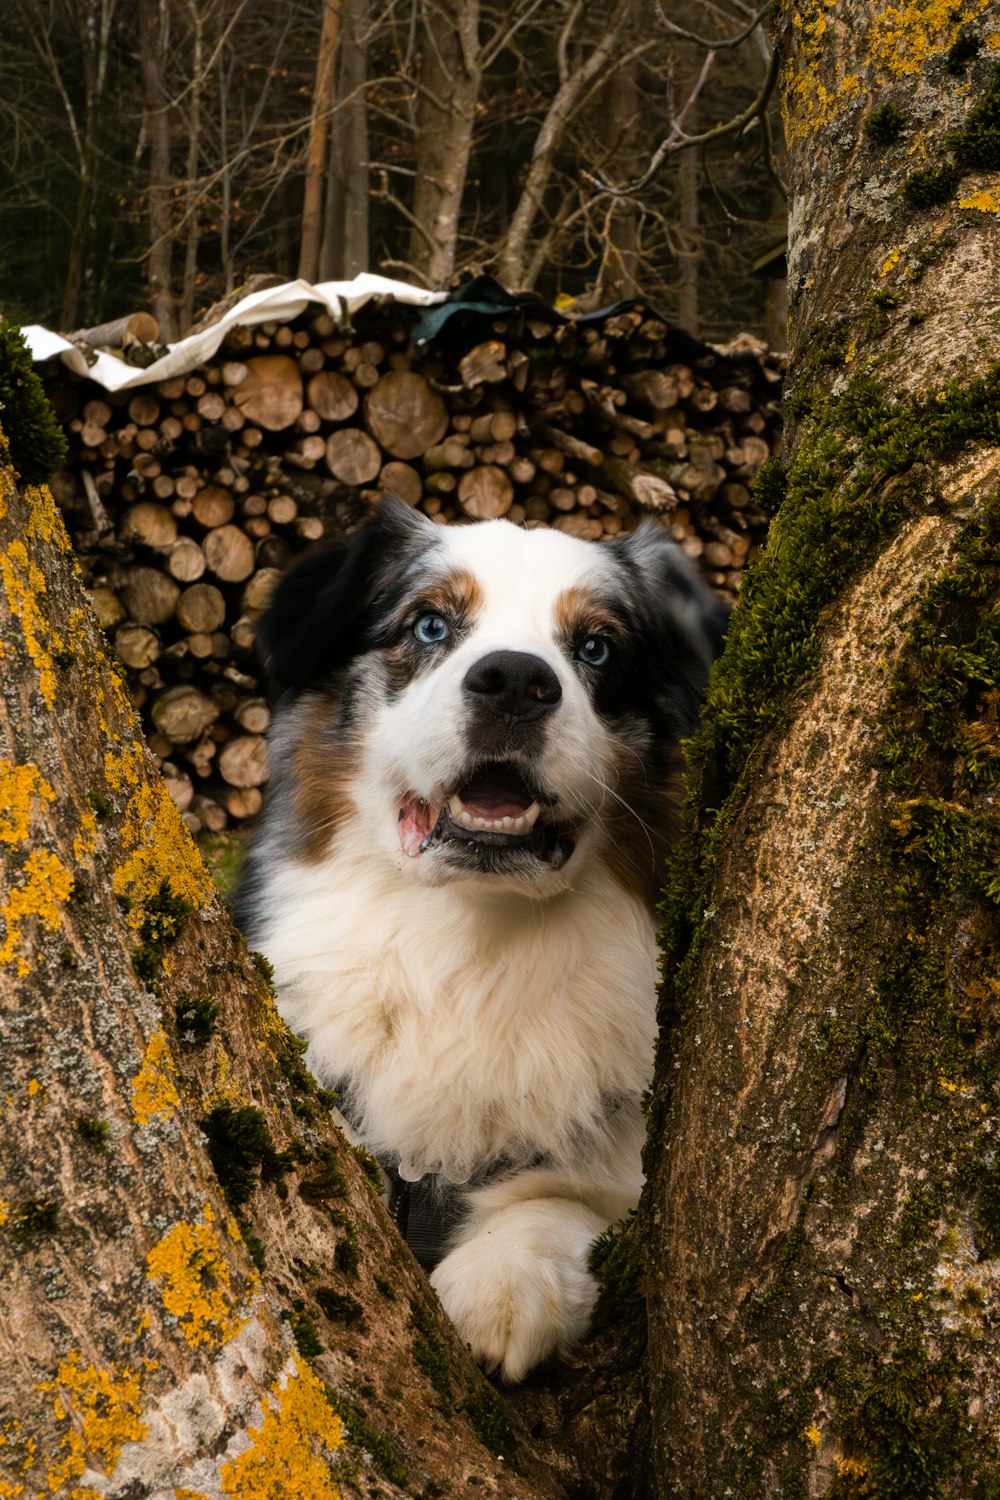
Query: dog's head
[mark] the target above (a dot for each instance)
(491, 704)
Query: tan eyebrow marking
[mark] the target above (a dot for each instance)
(579, 611)
(458, 595)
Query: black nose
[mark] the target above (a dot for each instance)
(514, 684)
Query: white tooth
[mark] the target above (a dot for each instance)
(455, 806)
(519, 825)
(466, 819)
(531, 815)
(479, 822)
(507, 824)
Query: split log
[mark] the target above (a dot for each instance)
(332, 396)
(201, 608)
(137, 328)
(182, 713)
(229, 554)
(148, 525)
(243, 762)
(406, 415)
(485, 492)
(352, 456)
(271, 395)
(149, 596)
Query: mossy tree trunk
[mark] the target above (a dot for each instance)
(202, 1295)
(820, 1233)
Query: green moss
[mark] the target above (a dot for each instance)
(491, 1424)
(884, 125)
(165, 916)
(340, 1308)
(962, 51)
(923, 1208)
(36, 440)
(370, 1167)
(254, 1244)
(326, 1180)
(770, 486)
(240, 1146)
(33, 1217)
(430, 1354)
(986, 1214)
(615, 1258)
(905, 1423)
(930, 187)
(304, 1332)
(94, 1131)
(100, 805)
(359, 1432)
(265, 969)
(386, 1288)
(195, 1020)
(886, 296)
(977, 144)
(347, 1256)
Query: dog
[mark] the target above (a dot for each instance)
(475, 781)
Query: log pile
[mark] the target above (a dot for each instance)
(186, 497)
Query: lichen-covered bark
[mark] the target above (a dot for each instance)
(821, 1227)
(202, 1295)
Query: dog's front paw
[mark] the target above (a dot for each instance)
(517, 1286)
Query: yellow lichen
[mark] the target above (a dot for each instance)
(20, 786)
(891, 261)
(291, 1450)
(24, 583)
(45, 885)
(180, 1494)
(987, 201)
(162, 852)
(224, 1090)
(85, 841)
(102, 1409)
(35, 1087)
(902, 38)
(198, 1283)
(812, 1435)
(4, 1211)
(154, 1093)
(44, 522)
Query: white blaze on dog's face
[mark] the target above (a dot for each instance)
(492, 705)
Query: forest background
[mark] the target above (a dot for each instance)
(158, 153)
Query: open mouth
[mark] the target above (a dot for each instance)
(495, 810)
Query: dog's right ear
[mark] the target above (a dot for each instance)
(322, 608)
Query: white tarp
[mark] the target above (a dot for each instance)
(278, 304)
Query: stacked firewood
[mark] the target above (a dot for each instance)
(186, 497)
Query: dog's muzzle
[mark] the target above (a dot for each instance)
(493, 813)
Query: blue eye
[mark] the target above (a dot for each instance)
(595, 651)
(430, 630)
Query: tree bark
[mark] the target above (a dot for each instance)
(576, 82)
(447, 89)
(345, 241)
(319, 136)
(156, 105)
(203, 1295)
(819, 1240)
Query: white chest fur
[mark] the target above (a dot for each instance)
(466, 1027)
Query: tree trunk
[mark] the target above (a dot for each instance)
(319, 135)
(447, 90)
(821, 1224)
(345, 240)
(689, 255)
(156, 103)
(203, 1295)
(576, 82)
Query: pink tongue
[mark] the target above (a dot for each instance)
(415, 823)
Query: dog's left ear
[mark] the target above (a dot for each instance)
(680, 607)
(322, 609)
